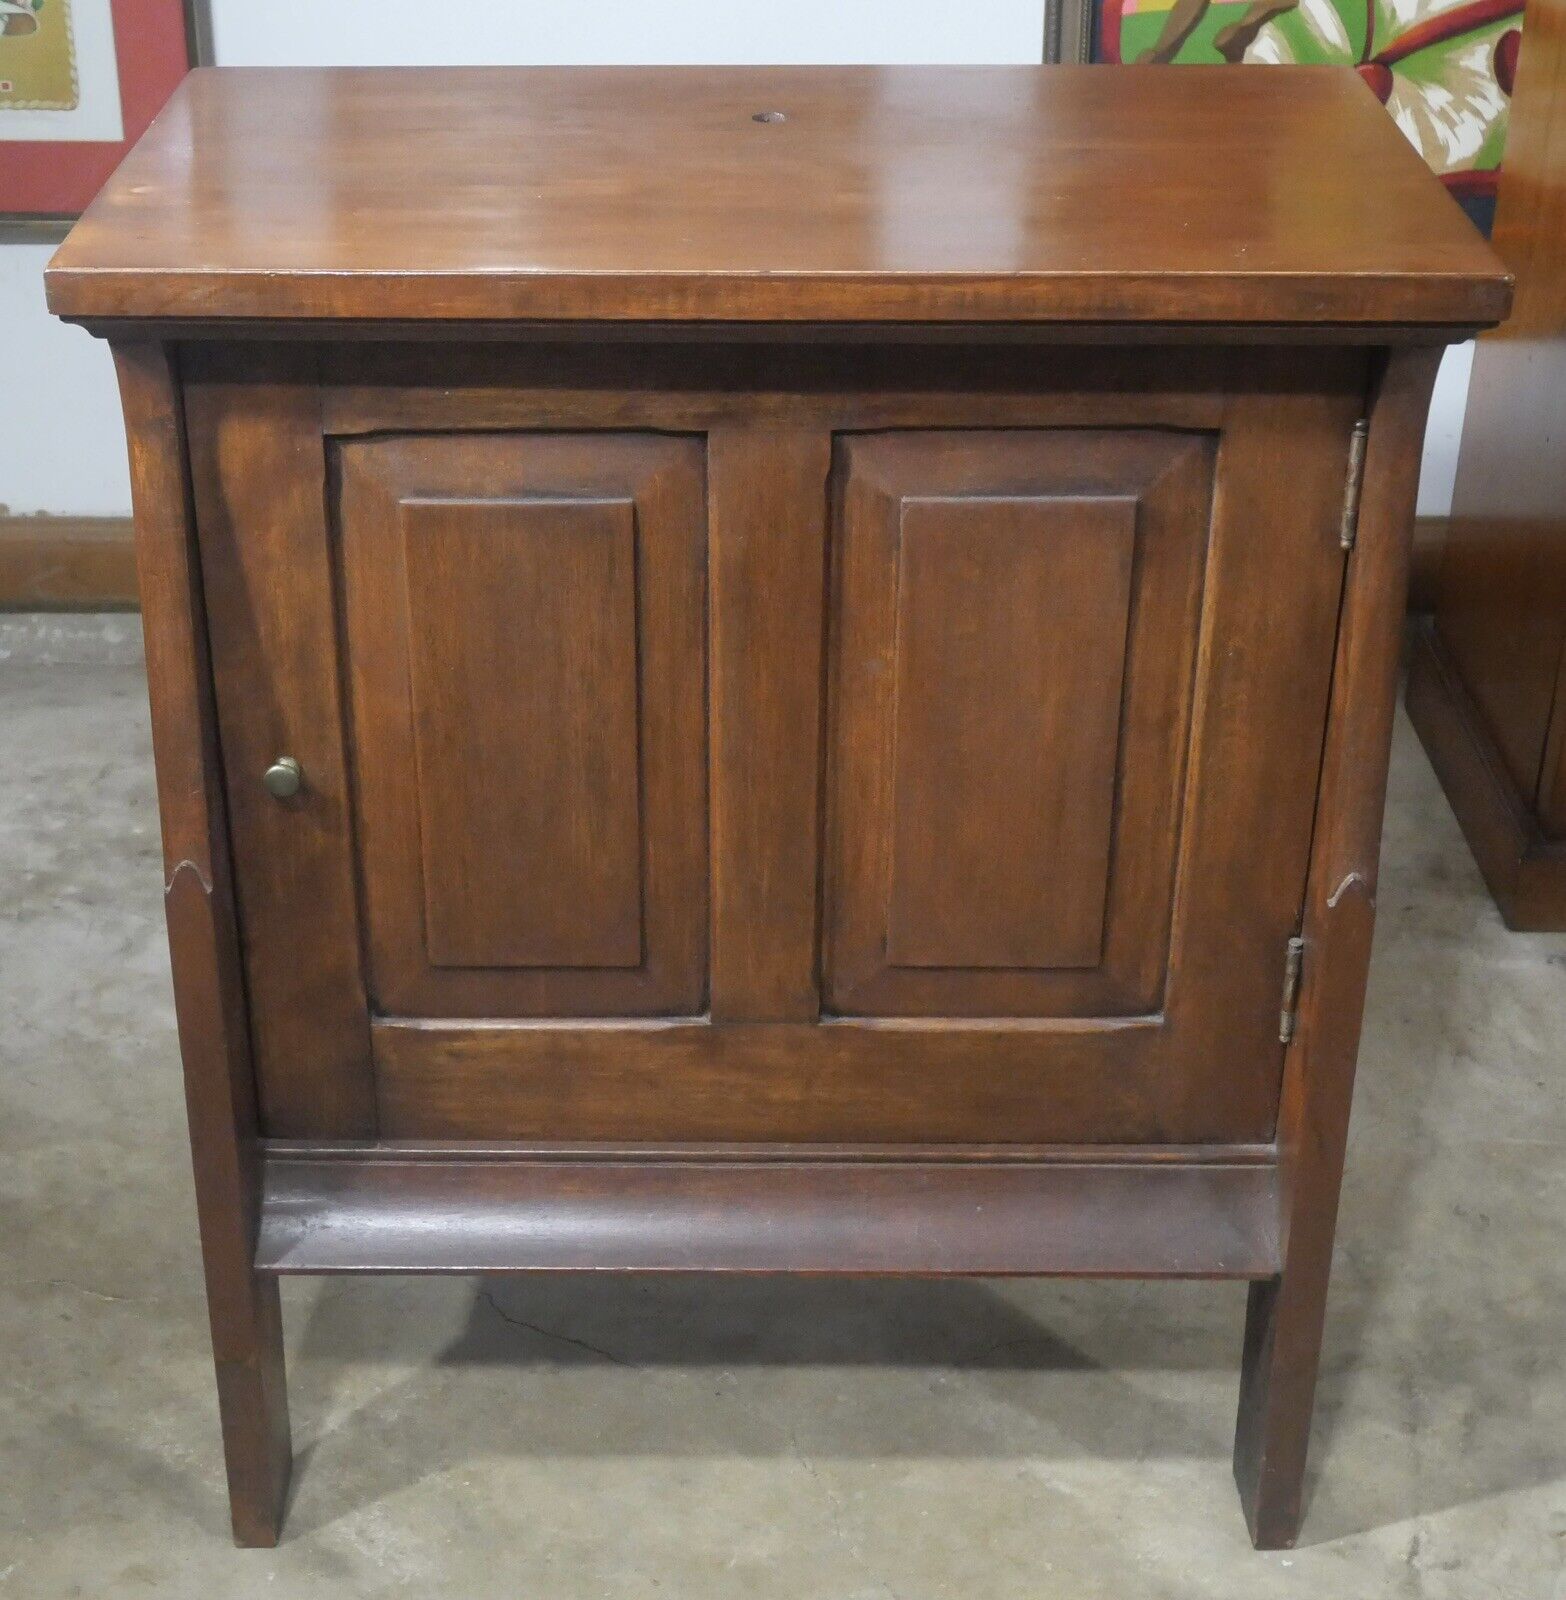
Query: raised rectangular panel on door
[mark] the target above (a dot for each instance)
(525, 653)
(1014, 671)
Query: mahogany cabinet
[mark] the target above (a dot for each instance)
(806, 692)
(1487, 684)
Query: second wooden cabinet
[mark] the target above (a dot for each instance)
(1004, 673)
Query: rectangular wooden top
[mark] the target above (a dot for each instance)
(863, 194)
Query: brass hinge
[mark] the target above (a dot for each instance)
(1293, 960)
(1348, 524)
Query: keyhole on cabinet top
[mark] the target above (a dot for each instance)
(769, 116)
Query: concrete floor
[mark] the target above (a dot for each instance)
(799, 1440)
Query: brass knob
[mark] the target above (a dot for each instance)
(283, 778)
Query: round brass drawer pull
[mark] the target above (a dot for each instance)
(283, 778)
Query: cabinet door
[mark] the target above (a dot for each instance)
(487, 653)
(525, 657)
(1078, 683)
(1018, 704)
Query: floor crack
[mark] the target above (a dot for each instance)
(487, 1296)
(97, 1294)
(835, 1512)
(84, 1289)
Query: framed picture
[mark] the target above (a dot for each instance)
(1442, 68)
(79, 82)
(1068, 30)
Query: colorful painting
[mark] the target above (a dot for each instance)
(37, 56)
(79, 81)
(1443, 68)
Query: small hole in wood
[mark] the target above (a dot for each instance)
(769, 116)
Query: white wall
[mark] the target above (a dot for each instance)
(392, 32)
(62, 449)
(1445, 431)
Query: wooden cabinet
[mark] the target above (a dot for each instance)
(1487, 683)
(879, 772)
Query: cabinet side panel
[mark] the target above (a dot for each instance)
(209, 1001)
(1501, 606)
(1501, 617)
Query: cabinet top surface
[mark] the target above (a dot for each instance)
(954, 194)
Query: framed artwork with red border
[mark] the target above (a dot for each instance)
(79, 82)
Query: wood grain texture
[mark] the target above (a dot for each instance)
(1171, 561)
(888, 193)
(1286, 1313)
(524, 642)
(389, 1212)
(768, 576)
(1001, 748)
(522, 645)
(813, 376)
(209, 996)
(237, 333)
(1011, 624)
(947, 1082)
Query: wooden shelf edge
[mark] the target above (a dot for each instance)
(443, 1213)
(709, 330)
(1525, 872)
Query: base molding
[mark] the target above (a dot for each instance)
(1154, 1215)
(67, 564)
(1524, 870)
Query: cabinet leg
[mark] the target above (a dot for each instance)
(247, 1348)
(1283, 1325)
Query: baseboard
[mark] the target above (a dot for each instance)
(67, 564)
(1525, 872)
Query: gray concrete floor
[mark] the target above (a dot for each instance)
(852, 1441)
